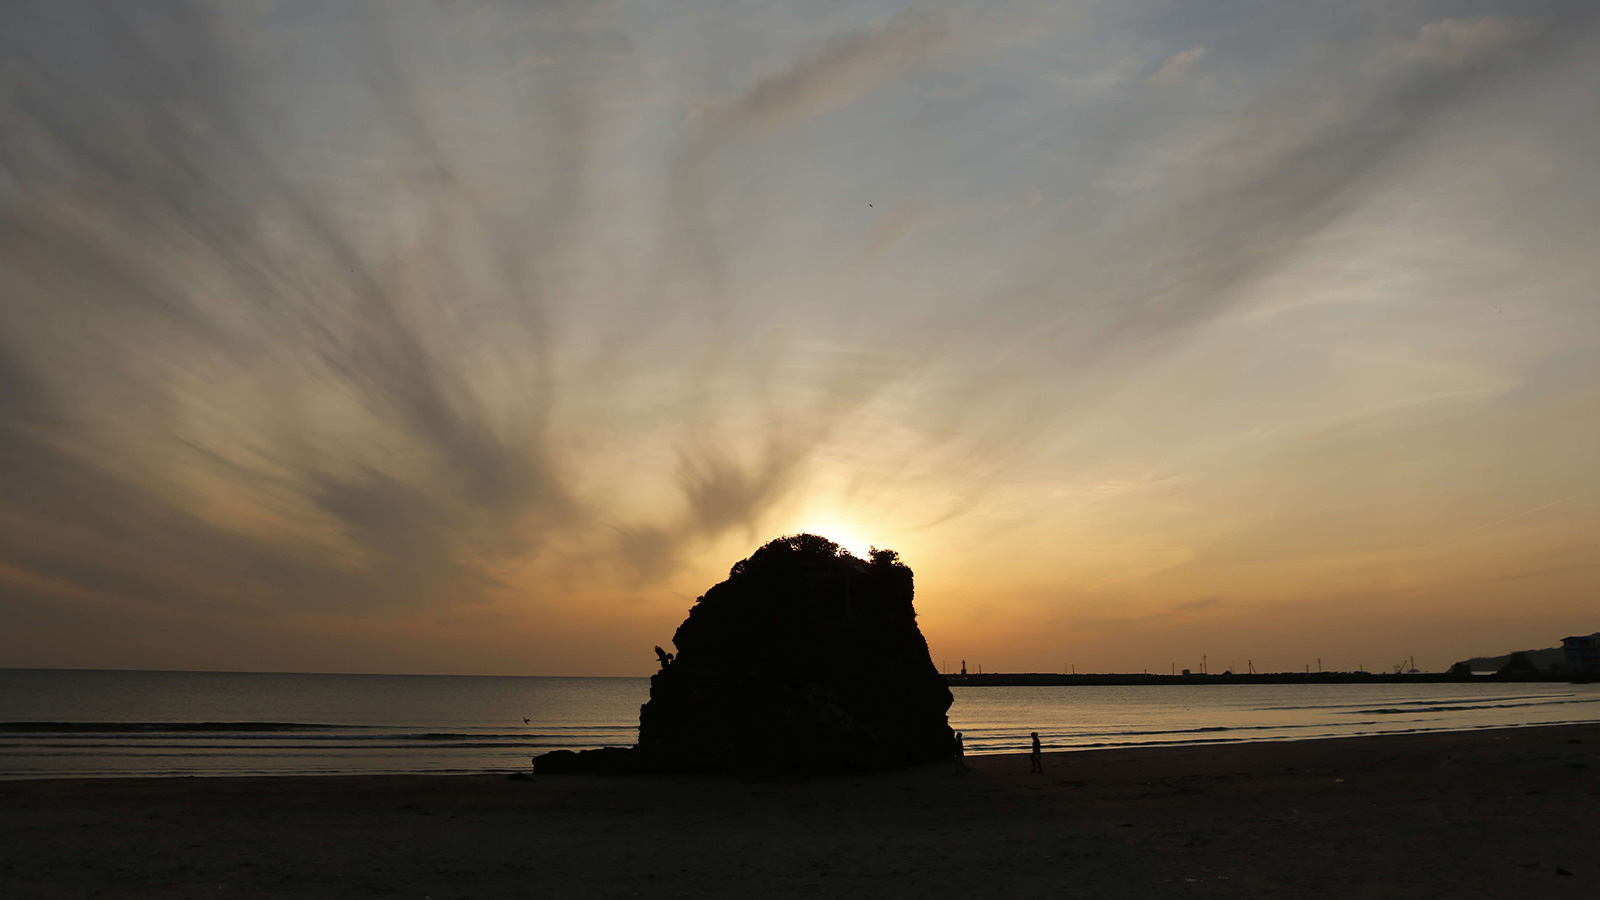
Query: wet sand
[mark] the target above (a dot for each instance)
(1477, 814)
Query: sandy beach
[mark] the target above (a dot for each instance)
(1496, 813)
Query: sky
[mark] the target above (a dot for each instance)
(482, 338)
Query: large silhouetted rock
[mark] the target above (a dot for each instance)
(805, 659)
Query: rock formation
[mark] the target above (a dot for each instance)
(806, 659)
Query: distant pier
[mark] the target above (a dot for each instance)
(1015, 679)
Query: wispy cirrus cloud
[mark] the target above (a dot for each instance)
(372, 314)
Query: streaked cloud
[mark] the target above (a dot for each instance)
(1450, 43)
(345, 326)
(1176, 68)
(847, 67)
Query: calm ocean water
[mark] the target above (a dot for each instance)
(57, 723)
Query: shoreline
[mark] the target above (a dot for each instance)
(1486, 812)
(1217, 743)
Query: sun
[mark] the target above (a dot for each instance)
(835, 529)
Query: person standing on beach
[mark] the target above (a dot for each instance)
(961, 754)
(1038, 755)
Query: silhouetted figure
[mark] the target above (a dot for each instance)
(664, 656)
(961, 754)
(1038, 755)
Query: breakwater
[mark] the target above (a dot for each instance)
(1018, 679)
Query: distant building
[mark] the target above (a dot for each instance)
(1582, 654)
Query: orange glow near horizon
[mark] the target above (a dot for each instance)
(1220, 334)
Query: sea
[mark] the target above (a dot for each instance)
(57, 723)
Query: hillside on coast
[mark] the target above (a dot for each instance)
(1545, 659)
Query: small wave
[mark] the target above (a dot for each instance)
(109, 727)
(318, 731)
(1458, 707)
(982, 732)
(1412, 702)
(24, 748)
(115, 742)
(1101, 745)
(1065, 743)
